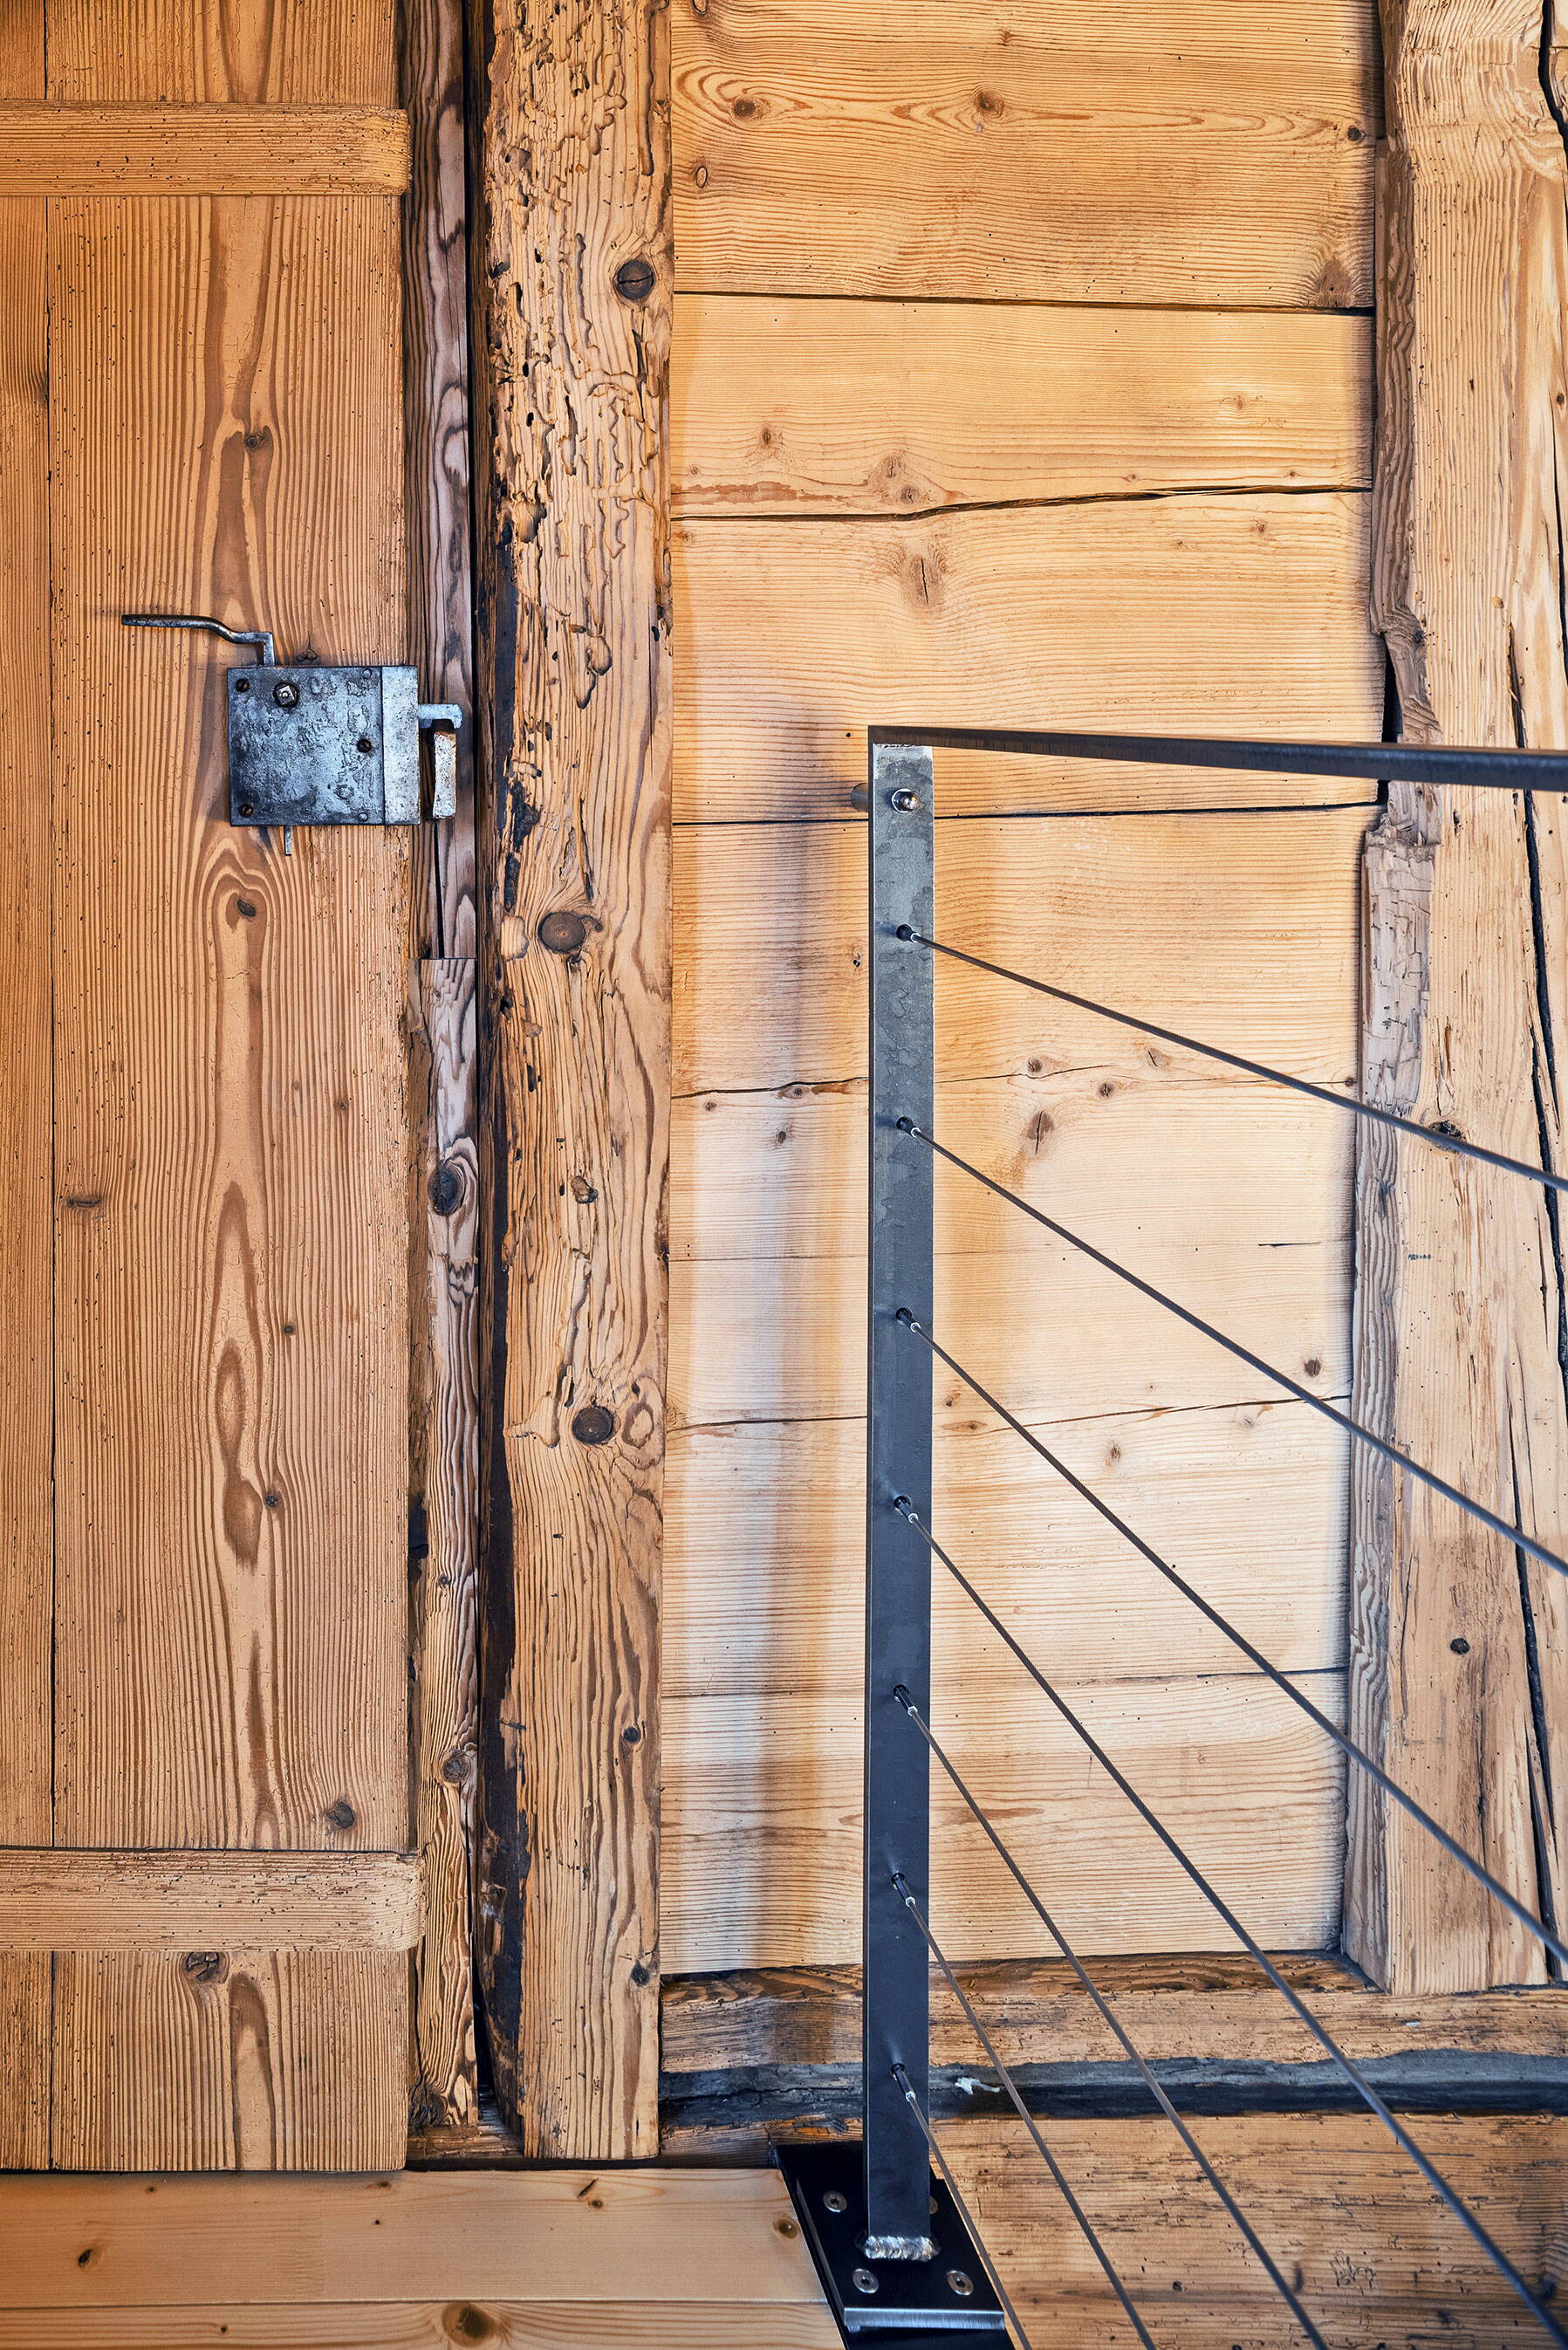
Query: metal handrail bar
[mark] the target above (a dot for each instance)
(1440, 1138)
(1473, 768)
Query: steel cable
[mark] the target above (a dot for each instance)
(1477, 1509)
(1527, 1916)
(1222, 1910)
(1455, 1144)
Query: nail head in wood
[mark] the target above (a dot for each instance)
(593, 1424)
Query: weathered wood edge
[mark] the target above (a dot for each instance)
(53, 1899)
(445, 1684)
(572, 283)
(1457, 1647)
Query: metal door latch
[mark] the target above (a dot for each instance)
(318, 746)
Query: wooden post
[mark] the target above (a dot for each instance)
(1460, 1648)
(572, 295)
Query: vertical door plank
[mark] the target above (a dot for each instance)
(26, 1143)
(1459, 1648)
(230, 2060)
(231, 1329)
(572, 273)
(217, 52)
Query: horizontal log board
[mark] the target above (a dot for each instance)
(1213, 2008)
(762, 1818)
(805, 407)
(202, 151)
(770, 930)
(1248, 615)
(62, 1901)
(1170, 152)
(1248, 1501)
(645, 2236)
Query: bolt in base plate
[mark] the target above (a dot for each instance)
(907, 2304)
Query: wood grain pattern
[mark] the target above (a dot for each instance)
(1175, 151)
(60, 1900)
(1248, 613)
(665, 2238)
(1036, 2010)
(26, 1143)
(1461, 1649)
(1376, 2258)
(761, 1814)
(804, 407)
(446, 1679)
(222, 52)
(429, 2325)
(771, 925)
(572, 344)
(230, 2060)
(435, 377)
(230, 1124)
(201, 151)
(763, 1518)
(231, 1118)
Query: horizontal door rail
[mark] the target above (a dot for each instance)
(1383, 763)
(1441, 1137)
(1362, 1435)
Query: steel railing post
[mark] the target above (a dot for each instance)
(896, 1985)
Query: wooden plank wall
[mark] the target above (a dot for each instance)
(1021, 374)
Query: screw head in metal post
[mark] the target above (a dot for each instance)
(285, 695)
(905, 802)
(863, 2281)
(960, 2283)
(835, 2201)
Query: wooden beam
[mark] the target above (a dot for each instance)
(202, 151)
(445, 1423)
(1215, 2007)
(528, 2324)
(53, 1899)
(572, 287)
(1460, 1659)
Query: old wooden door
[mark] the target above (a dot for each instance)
(204, 1906)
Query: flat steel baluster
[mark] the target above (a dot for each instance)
(896, 1992)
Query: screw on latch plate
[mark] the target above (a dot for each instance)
(310, 743)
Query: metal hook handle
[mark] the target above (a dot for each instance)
(261, 638)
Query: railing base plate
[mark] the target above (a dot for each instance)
(914, 2304)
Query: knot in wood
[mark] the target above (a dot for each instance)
(634, 279)
(562, 933)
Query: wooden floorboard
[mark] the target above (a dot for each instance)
(674, 2241)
